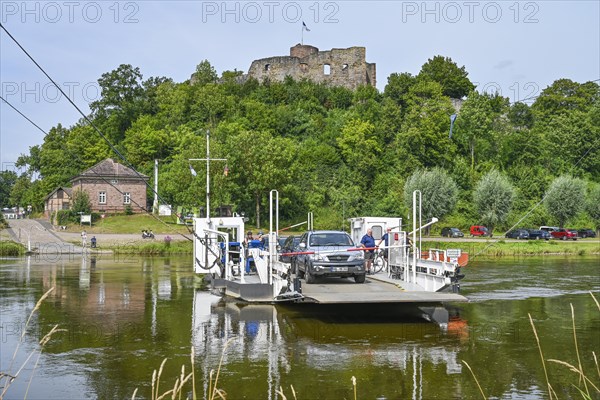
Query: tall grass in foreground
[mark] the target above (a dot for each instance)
(585, 386)
(8, 377)
(214, 392)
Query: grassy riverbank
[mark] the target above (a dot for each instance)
(501, 248)
(120, 224)
(154, 248)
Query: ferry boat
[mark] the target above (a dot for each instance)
(252, 272)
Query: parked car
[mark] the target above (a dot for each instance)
(452, 232)
(586, 233)
(290, 245)
(479, 230)
(538, 234)
(563, 234)
(330, 257)
(517, 234)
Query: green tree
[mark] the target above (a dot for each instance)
(123, 99)
(493, 197)
(205, 73)
(81, 202)
(19, 190)
(520, 116)
(31, 160)
(478, 126)
(357, 139)
(7, 181)
(423, 140)
(438, 190)
(145, 141)
(450, 76)
(563, 96)
(593, 205)
(398, 87)
(264, 164)
(564, 198)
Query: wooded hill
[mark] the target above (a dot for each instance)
(341, 153)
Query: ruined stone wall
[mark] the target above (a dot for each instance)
(336, 67)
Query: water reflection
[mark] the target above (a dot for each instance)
(285, 338)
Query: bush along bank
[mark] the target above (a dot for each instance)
(164, 248)
(8, 248)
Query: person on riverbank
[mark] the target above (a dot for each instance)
(368, 242)
(83, 239)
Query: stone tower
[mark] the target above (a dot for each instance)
(336, 67)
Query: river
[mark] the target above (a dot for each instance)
(123, 315)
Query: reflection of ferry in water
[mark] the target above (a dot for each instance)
(277, 342)
(420, 277)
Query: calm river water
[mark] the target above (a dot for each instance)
(123, 316)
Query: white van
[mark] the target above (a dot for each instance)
(548, 228)
(379, 226)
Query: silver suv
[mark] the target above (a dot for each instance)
(327, 255)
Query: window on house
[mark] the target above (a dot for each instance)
(102, 197)
(326, 69)
(126, 198)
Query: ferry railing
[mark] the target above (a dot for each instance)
(226, 237)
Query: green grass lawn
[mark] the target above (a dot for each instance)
(133, 224)
(500, 248)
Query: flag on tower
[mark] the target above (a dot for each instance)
(305, 27)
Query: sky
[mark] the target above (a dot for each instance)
(516, 48)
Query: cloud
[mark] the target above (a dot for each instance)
(503, 64)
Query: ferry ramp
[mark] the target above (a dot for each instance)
(377, 289)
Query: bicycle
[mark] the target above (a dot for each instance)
(379, 262)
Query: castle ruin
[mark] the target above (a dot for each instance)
(335, 67)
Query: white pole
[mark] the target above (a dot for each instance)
(155, 186)
(207, 175)
(415, 232)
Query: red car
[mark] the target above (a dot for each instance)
(479, 230)
(563, 234)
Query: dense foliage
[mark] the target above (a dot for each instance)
(330, 150)
(493, 197)
(565, 198)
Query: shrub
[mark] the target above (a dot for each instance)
(11, 249)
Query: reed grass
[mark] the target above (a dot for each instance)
(476, 381)
(9, 378)
(585, 391)
(283, 396)
(537, 339)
